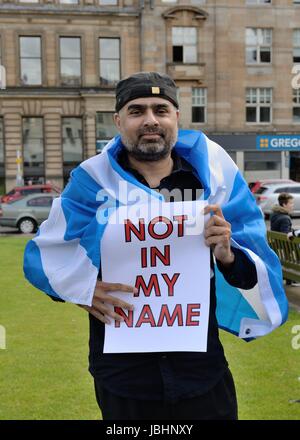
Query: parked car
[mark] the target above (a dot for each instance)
(27, 213)
(254, 186)
(267, 196)
(100, 144)
(20, 191)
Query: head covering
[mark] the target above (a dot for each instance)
(144, 85)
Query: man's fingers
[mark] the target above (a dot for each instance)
(216, 220)
(216, 209)
(107, 311)
(112, 300)
(116, 287)
(102, 312)
(217, 230)
(216, 239)
(93, 311)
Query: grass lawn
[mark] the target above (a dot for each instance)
(44, 366)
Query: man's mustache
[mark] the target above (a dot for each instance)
(151, 130)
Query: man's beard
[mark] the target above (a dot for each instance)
(150, 150)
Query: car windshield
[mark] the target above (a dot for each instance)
(261, 190)
(10, 193)
(30, 191)
(10, 202)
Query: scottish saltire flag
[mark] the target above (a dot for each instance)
(63, 259)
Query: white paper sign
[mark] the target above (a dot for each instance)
(159, 249)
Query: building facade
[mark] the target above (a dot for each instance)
(232, 61)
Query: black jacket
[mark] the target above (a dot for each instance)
(280, 220)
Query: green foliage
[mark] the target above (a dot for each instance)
(44, 366)
(2, 187)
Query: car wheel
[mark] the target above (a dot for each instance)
(27, 225)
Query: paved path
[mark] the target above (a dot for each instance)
(8, 231)
(293, 294)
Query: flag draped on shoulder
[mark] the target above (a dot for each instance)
(63, 259)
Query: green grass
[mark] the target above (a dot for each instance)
(267, 373)
(44, 366)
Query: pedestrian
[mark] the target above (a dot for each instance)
(280, 218)
(151, 156)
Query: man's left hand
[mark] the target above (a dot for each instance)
(217, 234)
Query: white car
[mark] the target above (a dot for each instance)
(27, 213)
(267, 196)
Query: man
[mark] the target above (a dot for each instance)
(62, 260)
(280, 217)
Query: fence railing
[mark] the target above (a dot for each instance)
(288, 252)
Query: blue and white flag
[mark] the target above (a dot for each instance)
(63, 259)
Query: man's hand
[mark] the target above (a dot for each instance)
(101, 299)
(217, 233)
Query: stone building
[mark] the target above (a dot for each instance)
(232, 62)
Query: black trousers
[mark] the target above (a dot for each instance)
(219, 403)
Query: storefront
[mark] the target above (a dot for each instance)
(257, 162)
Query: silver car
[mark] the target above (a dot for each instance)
(267, 196)
(27, 213)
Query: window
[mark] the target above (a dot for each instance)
(296, 46)
(70, 61)
(40, 201)
(72, 140)
(2, 169)
(258, 2)
(1, 142)
(184, 42)
(232, 154)
(69, 2)
(262, 161)
(259, 105)
(296, 105)
(293, 190)
(109, 58)
(30, 61)
(280, 190)
(72, 144)
(2, 70)
(33, 149)
(105, 127)
(199, 105)
(26, 191)
(258, 45)
(261, 190)
(108, 2)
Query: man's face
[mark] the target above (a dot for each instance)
(289, 206)
(148, 128)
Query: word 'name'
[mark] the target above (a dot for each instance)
(147, 316)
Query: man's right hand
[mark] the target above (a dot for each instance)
(100, 308)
